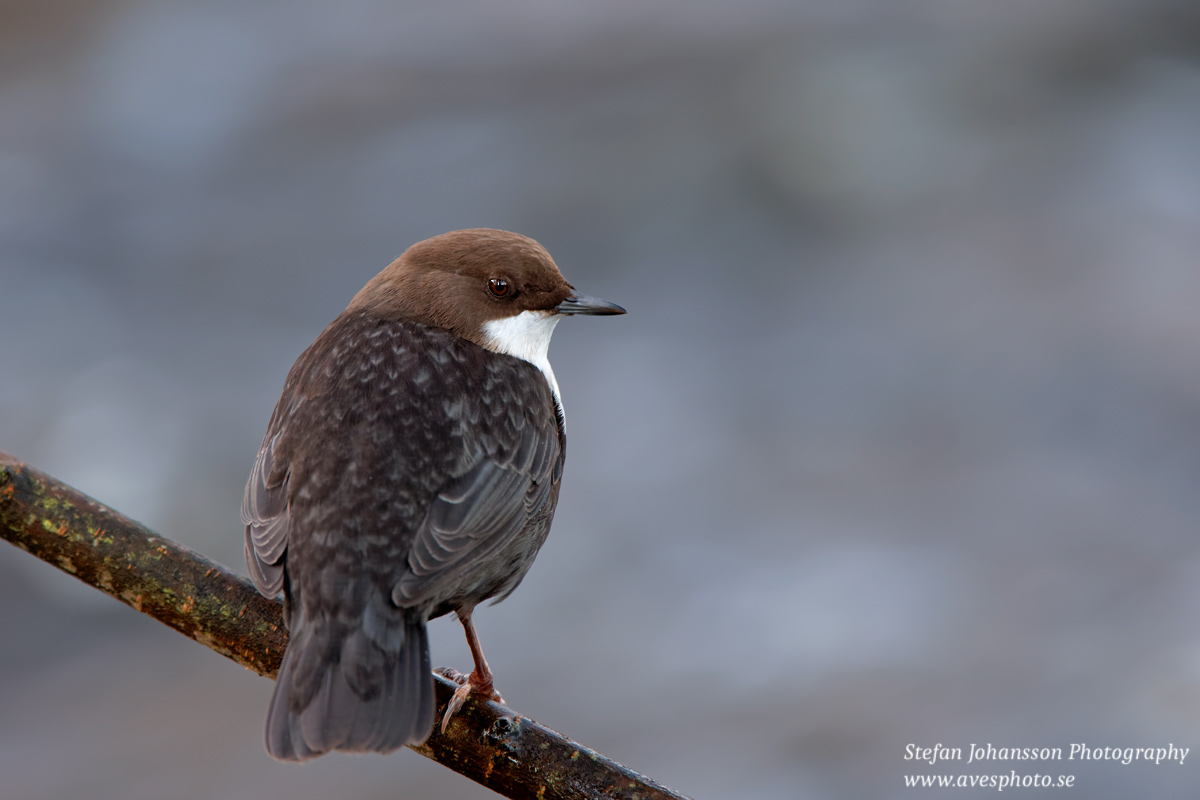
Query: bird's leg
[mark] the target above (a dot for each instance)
(480, 679)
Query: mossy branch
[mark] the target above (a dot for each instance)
(488, 743)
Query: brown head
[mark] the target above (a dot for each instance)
(464, 279)
(498, 289)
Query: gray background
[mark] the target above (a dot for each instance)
(899, 441)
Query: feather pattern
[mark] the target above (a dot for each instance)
(406, 472)
(264, 513)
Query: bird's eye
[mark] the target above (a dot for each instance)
(498, 286)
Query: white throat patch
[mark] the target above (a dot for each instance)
(526, 336)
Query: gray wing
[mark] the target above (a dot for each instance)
(265, 515)
(478, 512)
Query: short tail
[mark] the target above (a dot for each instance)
(367, 690)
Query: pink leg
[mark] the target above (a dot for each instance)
(480, 679)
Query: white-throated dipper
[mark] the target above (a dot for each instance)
(411, 468)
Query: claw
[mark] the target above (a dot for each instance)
(474, 684)
(480, 679)
(451, 674)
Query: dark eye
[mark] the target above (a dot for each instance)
(498, 286)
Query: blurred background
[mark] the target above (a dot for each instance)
(898, 443)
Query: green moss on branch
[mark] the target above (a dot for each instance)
(203, 600)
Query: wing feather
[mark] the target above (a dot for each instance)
(265, 515)
(480, 511)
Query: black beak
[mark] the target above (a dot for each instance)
(585, 304)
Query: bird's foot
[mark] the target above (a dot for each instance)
(467, 686)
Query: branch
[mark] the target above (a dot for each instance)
(488, 743)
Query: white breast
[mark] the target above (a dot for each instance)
(526, 336)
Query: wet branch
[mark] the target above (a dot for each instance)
(489, 744)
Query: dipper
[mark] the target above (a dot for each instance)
(411, 468)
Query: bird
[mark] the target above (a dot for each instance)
(410, 469)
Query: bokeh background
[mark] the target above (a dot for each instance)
(899, 442)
